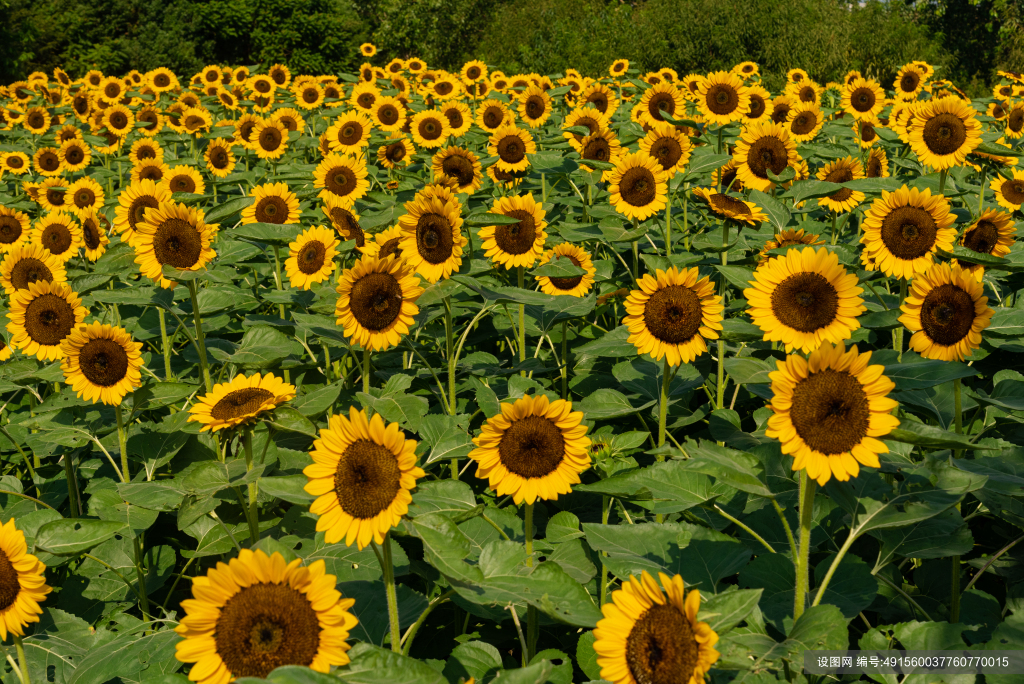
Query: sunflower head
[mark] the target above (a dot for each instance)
(904, 229)
(377, 301)
(311, 257)
(729, 207)
(432, 240)
(342, 176)
(460, 165)
(947, 313)
(993, 234)
(22, 584)
(788, 238)
(101, 363)
(638, 186)
(841, 171)
(511, 145)
(240, 401)
(42, 316)
(516, 244)
(273, 203)
(944, 132)
(27, 263)
(575, 286)
(762, 148)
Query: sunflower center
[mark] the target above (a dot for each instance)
(395, 152)
(390, 247)
(638, 187)
(91, 233)
(1013, 191)
(311, 257)
(137, 210)
(341, 180)
(177, 243)
(908, 83)
(661, 648)
(673, 314)
(350, 134)
(153, 173)
(443, 88)
(807, 94)
(48, 161)
(862, 99)
(840, 174)
(240, 402)
(265, 626)
(511, 149)
(757, 107)
(9, 585)
(309, 95)
(473, 72)
(74, 155)
(458, 167)
(56, 238)
(532, 447)
(806, 302)
(434, 238)
(146, 152)
(15, 162)
(947, 314)
(767, 152)
(367, 479)
(29, 270)
(271, 210)
(803, 123)
(909, 232)
(430, 129)
(219, 158)
(944, 133)
(597, 149)
(568, 283)
(729, 205)
(148, 118)
(874, 169)
(245, 130)
(722, 99)
(1016, 120)
(270, 139)
(830, 411)
(49, 319)
(780, 113)
(183, 183)
(667, 151)
(10, 229)
(387, 115)
(982, 238)
(534, 107)
(345, 223)
(517, 238)
(376, 300)
(661, 102)
(103, 362)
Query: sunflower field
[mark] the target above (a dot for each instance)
(423, 377)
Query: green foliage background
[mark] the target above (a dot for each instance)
(968, 39)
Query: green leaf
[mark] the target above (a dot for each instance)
(778, 215)
(442, 496)
(726, 610)
(71, 537)
(562, 527)
(586, 657)
(264, 347)
(739, 276)
(943, 535)
(279, 235)
(881, 320)
(129, 653)
(559, 267)
(704, 159)
(660, 488)
(288, 488)
(931, 437)
(852, 587)
(375, 665)
(808, 189)
(735, 468)
(228, 209)
(749, 371)
(291, 420)
(970, 256)
(1006, 322)
(614, 344)
(911, 374)
(486, 219)
(476, 659)
(605, 403)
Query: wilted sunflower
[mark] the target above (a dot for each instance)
(258, 612)
(219, 158)
(672, 314)
(511, 145)
(492, 115)
(342, 176)
(42, 316)
(59, 233)
(670, 147)
(429, 128)
(376, 302)
(94, 235)
(830, 410)
(432, 240)
(516, 244)
(16, 163)
(804, 299)
(877, 164)
(722, 98)
(350, 133)
(14, 228)
(22, 582)
(638, 186)
(133, 203)
(74, 155)
(363, 474)
(184, 178)
(863, 99)
(101, 363)
(26, 263)
(841, 171)
(460, 165)
(269, 139)
(173, 235)
(1010, 191)
(533, 449)
(944, 132)
(804, 121)
(664, 98)
(534, 106)
(763, 147)
(903, 229)
(397, 152)
(343, 217)
(947, 312)
(788, 238)
(574, 286)
(729, 207)
(233, 403)
(311, 257)
(272, 203)
(650, 637)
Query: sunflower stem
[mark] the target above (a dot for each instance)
(668, 226)
(898, 332)
(531, 612)
(942, 182)
(981, 191)
(522, 321)
(168, 375)
(606, 509)
(366, 371)
(686, 218)
(69, 475)
(22, 663)
(122, 444)
(141, 574)
(251, 514)
(954, 585)
(834, 236)
(565, 360)
(449, 334)
(663, 405)
(388, 568)
(807, 488)
(200, 337)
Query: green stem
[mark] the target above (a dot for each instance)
(388, 568)
(789, 531)
(366, 371)
(898, 332)
(449, 334)
(720, 385)
(745, 528)
(122, 444)
(606, 509)
(663, 405)
(807, 487)
(277, 278)
(22, 662)
(565, 360)
(251, 515)
(141, 574)
(531, 612)
(200, 337)
(168, 375)
(69, 475)
(410, 634)
(981, 193)
(942, 182)
(522, 322)
(668, 226)
(954, 584)
(834, 236)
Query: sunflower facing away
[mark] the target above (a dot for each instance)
(574, 286)
(830, 410)
(22, 584)
(638, 186)
(673, 314)
(101, 363)
(729, 207)
(27, 263)
(363, 474)
(42, 316)
(516, 244)
(804, 299)
(377, 301)
(947, 312)
(944, 132)
(533, 449)
(233, 403)
(259, 612)
(992, 234)
(903, 230)
(761, 148)
(173, 235)
(652, 637)
(432, 240)
(273, 203)
(311, 257)
(723, 98)
(1009, 192)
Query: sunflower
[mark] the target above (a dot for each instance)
(94, 235)
(311, 257)
(864, 130)
(52, 194)
(806, 91)
(59, 234)
(17, 163)
(309, 96)
(1015, 121)
(101, 363)
(574, 286)
(47, 162)
(691, 86)
(516, 244)
(804, 299)
(74, 155)
(368, 49)
(601, 97)
(729, 207)
(1010, 191)
(877, 164)
(474, 71)
(492, 115)
(909, 82)
(42, 315)
(830, 410)
(638, 186)
(36, 120)
(460, 165)
(788, 238)
(432, 240)
(162, 79)
(429, 128)
(153, 119)
(269, 139)
(149, 169)
(272, 203)
(27, 263)
(672, 314)
(281, 75)
(759, 108)
(184, 178)
(172, 235)
(863, 99)
(398, 151)
(230, 404)
(22, 584)
(385, 243)
(445, 87)
(944, 132)
(804, 121)
(841, 171)
(14, 228)
(460, 118)
(781, 106)
(664, 98)
(511, 145)
(196, 120)
(992, 234)
(145, 148)
(670, 147)
(388, 114)
(342, 176)
(134, 201)
(583, 117)
(763, 147)
(648, 636)
(947, 312)
(376, 302)
(533, 449)
(534, 106)
(505, 179)
(245, 126)
(722, 98)
(219, 158)
(343, 217)
(903, 229)
(350, 133)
